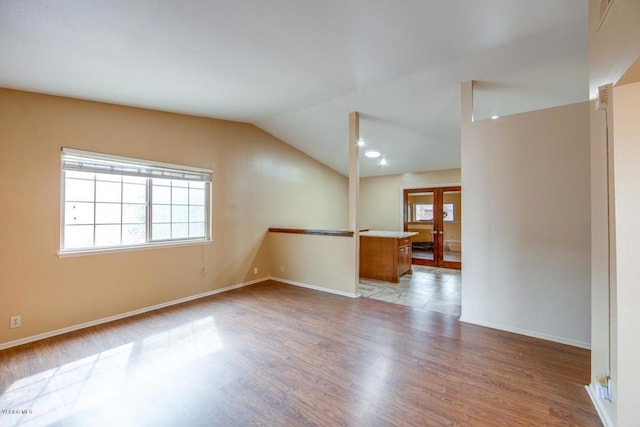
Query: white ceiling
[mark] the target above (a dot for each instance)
(296, 68)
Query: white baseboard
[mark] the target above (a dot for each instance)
(597, 403)
(528, 333)
(316, 288)
(61, 331)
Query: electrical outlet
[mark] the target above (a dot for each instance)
(282, 269)
(16, 321)
(255, 270)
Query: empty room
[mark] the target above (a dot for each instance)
(341, 212)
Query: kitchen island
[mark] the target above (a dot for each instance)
(385, 255)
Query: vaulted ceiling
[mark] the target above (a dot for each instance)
(296, 68)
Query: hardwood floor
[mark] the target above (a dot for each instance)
(276, 355)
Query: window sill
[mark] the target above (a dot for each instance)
(97, 251)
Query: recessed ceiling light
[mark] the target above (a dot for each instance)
(360, 143)
(372, 154)
(495, 117)
(383, 162)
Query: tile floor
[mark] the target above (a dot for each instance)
(435, 289)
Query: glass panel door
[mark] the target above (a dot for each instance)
(435, 214)
(451, 229)
(420, 211)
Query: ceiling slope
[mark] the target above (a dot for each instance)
(297, 68)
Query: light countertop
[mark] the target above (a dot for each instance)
(388, 234)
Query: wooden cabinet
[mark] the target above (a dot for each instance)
(404, 256)
(385, 258)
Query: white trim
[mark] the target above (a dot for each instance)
(156, 245)
(597, 403)
(603, 14)
(315, 288)
(144, 162)
(417, 187)
(84, 325)
(528, 333)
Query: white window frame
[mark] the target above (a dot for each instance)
(80, 160)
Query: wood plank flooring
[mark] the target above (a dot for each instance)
(276, 355)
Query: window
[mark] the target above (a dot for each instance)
(112, 202)
(424, 212)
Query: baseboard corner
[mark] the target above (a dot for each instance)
(315, 288)
(527, 332)
(598, 405)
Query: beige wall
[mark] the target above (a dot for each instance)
(525, 224)
(381, 196)
(613, 48)
(258, 181)
(326, 262)
(626, 154)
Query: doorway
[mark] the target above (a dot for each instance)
(436, 215)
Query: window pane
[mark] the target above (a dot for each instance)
(107, 213)
(108, 177)
(81, 175)
(196, 229)
(161, 194)
(78, 190)
(424, 212)
(107, 235)
(134, 179)
(133, 234)
(196, 213)
(103, 209)
(180, 214)
(448, 212)
(161, 231)
(180, 196)
(161, 213)
(78, 236)
(179, 231)
(134, 214)
(196, 196)
(107, 191)
(78, 213)
(134, 193)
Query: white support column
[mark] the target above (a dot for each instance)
(466, 102)
(354, 188)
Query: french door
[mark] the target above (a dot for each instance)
(436, 215)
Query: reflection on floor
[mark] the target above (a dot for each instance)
(435, 289)
(422, 253)
(427, 254)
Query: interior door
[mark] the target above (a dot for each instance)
(419, 218)
(450, 230)
(435, 214)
